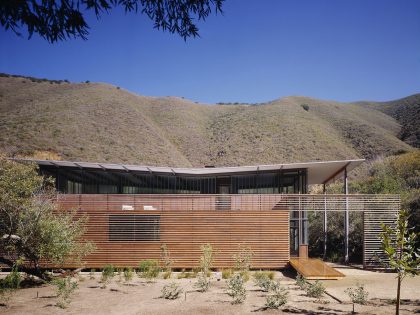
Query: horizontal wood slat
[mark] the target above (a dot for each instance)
(185, 224)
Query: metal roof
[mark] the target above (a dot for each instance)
(319, 172)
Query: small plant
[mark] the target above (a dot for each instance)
(92, 274)
(10, 284)
(167, 262)
(107, 274)
(301, 281)
(236, 289)
(167, 274)
(315, 290)
(358, 295)
(206, 262)
(262, 281)
(64, 288)
(203, 283)
(227, 273)
(206, 259)
(128, 274)
(171, 291)
(243, 258)
(120, 272)
(277, 297)
(149, 269)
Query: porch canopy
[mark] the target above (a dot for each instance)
(319, 172)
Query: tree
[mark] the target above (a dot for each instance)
(32, 226)
(399, 246)
(58, 20)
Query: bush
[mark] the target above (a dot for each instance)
(128, 274)
(236, 289)
(64, 288)
(358, 295)
(277, 297)
(301, 281)
(108, 273)
(227, 273)
(202, 284)
(149, 269)
(243, 258)
(315, 290)
(167, 275)
(171, 291)
(92, 274)
(262, 281)
(9, 285)
(305, 106)
(165, 257)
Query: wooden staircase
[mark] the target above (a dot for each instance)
(315, 269)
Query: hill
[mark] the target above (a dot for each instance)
(407, 112)
(101, 122)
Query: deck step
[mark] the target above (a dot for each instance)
(315, 269)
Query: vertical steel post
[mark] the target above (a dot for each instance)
(325, 222)
(346, 219)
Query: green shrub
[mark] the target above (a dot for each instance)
(128, 274)
(358, 295)
(203, 283)
(236, 288)
(262, 281)
(301, 281)
(167, 274)
(107, 274)
(64, 288)
(305, 106)
(165, 257)
(315, 290)
(10, 284)
(277, 297)
(171, 291)
(243, 258)
(227, 273)
(92, 273)
(149, 269)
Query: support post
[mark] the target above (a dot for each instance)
(325, 222)
(346, 219)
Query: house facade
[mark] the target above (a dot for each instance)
(133, 210)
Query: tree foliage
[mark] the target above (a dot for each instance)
(32, 226)
(58, 20)
(399, 246)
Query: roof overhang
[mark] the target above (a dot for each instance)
(320, 172)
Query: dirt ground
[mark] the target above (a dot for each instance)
(140, 297)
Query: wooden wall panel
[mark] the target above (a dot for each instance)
(186, 223)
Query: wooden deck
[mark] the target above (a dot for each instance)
(315, 269)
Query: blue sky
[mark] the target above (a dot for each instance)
(256, 51)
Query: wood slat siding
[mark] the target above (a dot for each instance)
(186, 223)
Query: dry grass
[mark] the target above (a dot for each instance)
(98, 122)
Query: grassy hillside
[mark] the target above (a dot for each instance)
(100, 122)
(407, 112)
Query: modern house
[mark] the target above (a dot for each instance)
(133, 210)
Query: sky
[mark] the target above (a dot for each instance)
(256, 51)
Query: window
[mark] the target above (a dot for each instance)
(134, 228)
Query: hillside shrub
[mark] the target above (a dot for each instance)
(358, 295)
(301, 281)
(305, 107)
(227, 273)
